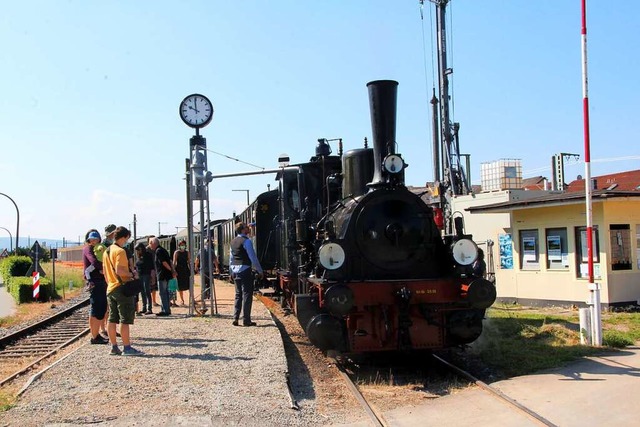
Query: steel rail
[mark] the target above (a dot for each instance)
(495, 392)
(377, 419)
(41, 324)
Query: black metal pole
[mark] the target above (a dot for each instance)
(17, 221)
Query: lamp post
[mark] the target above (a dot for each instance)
(17, 220)
(10, 239)
(159, 223)
(247, 191)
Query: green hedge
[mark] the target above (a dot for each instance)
(14, 266)
(21, 288)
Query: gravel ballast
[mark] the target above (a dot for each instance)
(194, 371)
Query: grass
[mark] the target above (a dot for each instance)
(7, 400)
(29, 311)
(64, 275)
(519, 341)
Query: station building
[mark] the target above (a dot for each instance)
(536, 240)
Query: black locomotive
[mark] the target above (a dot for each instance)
(358, 257)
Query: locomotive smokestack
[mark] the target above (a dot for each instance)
(382, 103)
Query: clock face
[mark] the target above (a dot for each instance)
(196, 111)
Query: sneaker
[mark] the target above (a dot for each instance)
(130, 351)
(104, 334)
(140, 313)
(98, 340)
(148, 312)
(235, 323)
(249, 324)
(115, 351)
(162, 313)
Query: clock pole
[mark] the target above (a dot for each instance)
(196, 112)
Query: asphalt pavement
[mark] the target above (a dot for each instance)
(7, 303)
(594, 391)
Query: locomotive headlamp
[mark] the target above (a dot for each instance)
(465, 251)
(393, 163)
(331, 256)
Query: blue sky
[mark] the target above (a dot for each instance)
(89, 124)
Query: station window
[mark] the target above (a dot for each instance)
(620, 243)
(529, 250)
(557, 252)
(582, 257)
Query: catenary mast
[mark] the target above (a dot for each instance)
(454, 181)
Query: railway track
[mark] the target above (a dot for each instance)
(24, 349)
(495, 392)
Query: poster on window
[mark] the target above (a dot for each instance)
(506, 251)
(529, 249)
(554, 248)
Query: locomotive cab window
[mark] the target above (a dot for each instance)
(529, 250)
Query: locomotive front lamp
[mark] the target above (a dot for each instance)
(331, 256)
(393, 164)
(465, 251)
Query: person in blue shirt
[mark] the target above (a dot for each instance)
(242, 258)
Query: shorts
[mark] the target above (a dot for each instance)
(98, 300)
(122, 309)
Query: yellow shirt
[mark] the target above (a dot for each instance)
(117, 259)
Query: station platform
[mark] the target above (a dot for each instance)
(194, 371)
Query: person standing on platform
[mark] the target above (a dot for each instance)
(202, 267)
(144, 266)
(122, 308)
(165, 272)
(96, 285)
(109, 233)
(182, 262)
(242, 258)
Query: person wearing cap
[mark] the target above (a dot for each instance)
(99, 250)
(242, 258)
(96, 285)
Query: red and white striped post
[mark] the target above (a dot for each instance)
(36, 285)
(594, 288)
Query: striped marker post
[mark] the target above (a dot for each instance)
(36, 285)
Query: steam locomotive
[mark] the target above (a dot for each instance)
(359, 258)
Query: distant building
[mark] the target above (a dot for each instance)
(621, 181)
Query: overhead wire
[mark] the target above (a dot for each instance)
(233, 158)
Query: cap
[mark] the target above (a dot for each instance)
(93, 235)
(111, 228)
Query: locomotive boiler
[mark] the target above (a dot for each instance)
(371, 270)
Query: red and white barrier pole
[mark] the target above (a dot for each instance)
(594, 288)
(36, 285)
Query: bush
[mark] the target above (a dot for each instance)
(616, 339)
(21, 289)
(14, 266)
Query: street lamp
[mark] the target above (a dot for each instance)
(159, 223)
(247, 191)
(17, 221)
(10, 239)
